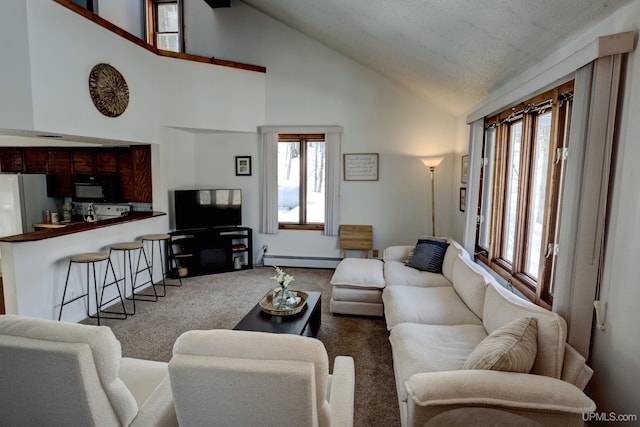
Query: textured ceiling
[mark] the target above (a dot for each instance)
(453, 52)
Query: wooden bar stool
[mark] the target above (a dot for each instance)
(90, 259)
(127, 248)
(160, 239)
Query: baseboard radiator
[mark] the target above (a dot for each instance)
(301, 261)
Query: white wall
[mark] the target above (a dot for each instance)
(15, 83)
(126, 14)
(63, 47)
(615, 385)
(309, 84)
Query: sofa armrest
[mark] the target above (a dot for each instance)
(508, 390)
(341, 391)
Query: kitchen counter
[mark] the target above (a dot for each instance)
(35, 265)
(64, 229)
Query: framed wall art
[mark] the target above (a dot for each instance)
(361, 167)
(463, 198)
(243, 165)
(465, 169)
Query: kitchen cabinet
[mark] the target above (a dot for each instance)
(59, 173)
(11, 160)
(35, 161)
(131, 164)
(82, 162)
(141, 173)
(106, 162)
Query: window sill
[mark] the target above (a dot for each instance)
(522, 287)
(317, 227)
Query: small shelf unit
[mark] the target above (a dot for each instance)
(212, 250)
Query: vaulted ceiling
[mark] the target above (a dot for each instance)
(453, 52)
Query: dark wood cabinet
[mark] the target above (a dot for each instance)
(106, 162)
(35, 161)
(126, 174)
(82, 162)
(141, 173)
(59, 173)
(11, 160)
(131, 164)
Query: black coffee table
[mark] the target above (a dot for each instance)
(306, 323)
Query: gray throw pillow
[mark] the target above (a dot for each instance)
(428, 255)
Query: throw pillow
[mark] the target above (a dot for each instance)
(512, 347)
(428, 255)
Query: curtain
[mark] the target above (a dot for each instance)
(476, 140)
(269, 147)
(332, 187)
(582, 231)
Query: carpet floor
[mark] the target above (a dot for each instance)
(219, 301)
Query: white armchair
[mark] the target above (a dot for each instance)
(242, 378)
(66, 374)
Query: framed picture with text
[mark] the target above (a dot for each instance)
(243, 165)
(360, 167)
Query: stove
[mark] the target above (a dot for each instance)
(110, 211)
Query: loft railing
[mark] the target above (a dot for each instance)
(125, 34)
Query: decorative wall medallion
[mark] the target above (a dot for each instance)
(109, 90)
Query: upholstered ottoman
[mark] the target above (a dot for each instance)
(357, 287)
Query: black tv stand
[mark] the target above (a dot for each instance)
(212, 250)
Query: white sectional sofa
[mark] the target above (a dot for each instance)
(460, 340)
(436, 321)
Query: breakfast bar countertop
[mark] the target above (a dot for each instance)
(78, 226)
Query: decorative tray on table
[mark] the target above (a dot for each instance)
(266, 304)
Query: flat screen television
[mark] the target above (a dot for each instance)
(207, 208)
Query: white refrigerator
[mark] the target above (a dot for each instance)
(23, 199)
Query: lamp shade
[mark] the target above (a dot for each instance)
(432, 162)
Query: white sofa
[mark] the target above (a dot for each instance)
(437, 320)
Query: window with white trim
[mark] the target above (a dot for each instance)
(301, 181)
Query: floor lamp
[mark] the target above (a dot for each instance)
(432, 163)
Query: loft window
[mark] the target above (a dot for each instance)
(521, 183)
(87, 4)
(301, 181)
(164, 24)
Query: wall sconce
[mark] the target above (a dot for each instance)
(432, 163)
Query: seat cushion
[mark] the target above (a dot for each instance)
(431, 348)
(349, 293)
(397, 273)
(433, 306)
(359, 272)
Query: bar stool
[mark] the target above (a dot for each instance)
(127, 248)
(160, 239)
(90, 259)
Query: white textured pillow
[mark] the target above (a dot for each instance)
(512, 347)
